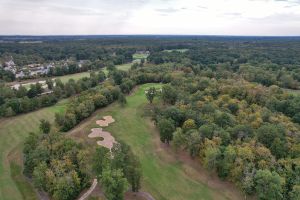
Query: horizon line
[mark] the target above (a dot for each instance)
(203, 35)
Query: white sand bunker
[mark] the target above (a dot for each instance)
(108, 140)
(105, 121)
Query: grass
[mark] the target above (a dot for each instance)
(163, 176)
(291, 91)
(178, 50)
(76, 76)
(124, 67)
(139, 56)
(13, 131)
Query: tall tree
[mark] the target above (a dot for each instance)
(114, 184)
(45, 126)
(150, 94)
(268, 185)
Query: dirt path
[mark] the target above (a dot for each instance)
(145, 195)
(87, 194)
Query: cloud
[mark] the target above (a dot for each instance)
(259, 17)
(168, 10)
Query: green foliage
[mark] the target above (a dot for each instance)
(54, 164)
(122, 99)
(189, 124)
(114, 184)
(150, 94)
(45, 126)
(268, 185)
(166, 128)
(169, 94)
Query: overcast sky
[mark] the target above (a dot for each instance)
(200, 17)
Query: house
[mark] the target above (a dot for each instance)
(20, 74)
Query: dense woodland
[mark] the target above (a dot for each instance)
(224, 101)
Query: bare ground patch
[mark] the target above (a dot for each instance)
(108, 140)
(105, 121)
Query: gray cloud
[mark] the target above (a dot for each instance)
(167, 10)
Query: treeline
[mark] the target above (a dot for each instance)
(83, 105)
(266, 65)
(14, 102)
(24, 54)
(237, 129)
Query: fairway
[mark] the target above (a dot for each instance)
(164, 176)
(76, 76)
(13, 131)
(176, 50)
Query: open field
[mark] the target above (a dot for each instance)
(164, 176)
(290, 91)
(139, 56)
(178, 50)
(76, 76)
(12, 134)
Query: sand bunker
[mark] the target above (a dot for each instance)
(105, 121)
(108, 140)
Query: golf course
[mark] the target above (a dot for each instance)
(160, 165)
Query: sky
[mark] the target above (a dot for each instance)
(178, 17)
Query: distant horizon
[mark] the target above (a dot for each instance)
(71, 35)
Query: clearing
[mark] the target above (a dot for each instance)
(177, 50)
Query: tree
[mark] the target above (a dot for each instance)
(49, 83)
(189, 124)
(295, 193)
(101, 160)
(211, 157)
(179, 139)
(45, 126)
(39, 176)
(279, 148)
(122, 99)
(224, 120)
(114, 184)
(169, 94)
(32, 92)
(268, 185)
(150, 94)
(134, 173)
(267, 133)
(166, 128)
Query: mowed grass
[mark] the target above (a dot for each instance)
(163, 176)
(76, 76)
(178, 50)
(13, 131)
(139, 56)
